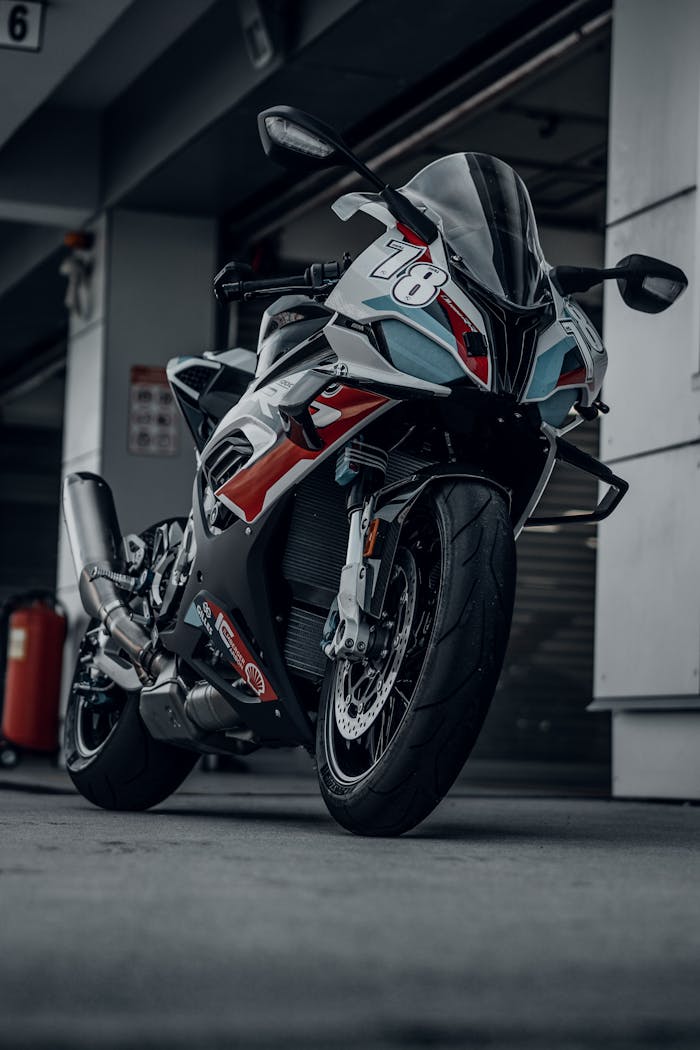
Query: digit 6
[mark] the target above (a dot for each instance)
(420, 285)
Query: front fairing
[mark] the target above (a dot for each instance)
(437, 333)
(455, 329)
(486, 216)
(569, 366)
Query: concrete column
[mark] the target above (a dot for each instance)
(82, 429)
(648, 588)
(152, 300)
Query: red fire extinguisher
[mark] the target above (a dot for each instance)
(35, 637)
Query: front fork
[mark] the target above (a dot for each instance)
(347, 633)
(351, 636)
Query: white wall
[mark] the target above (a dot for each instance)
(82, 429)
(160, 306)
(648, 597)
(152, 301)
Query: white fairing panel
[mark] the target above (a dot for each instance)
(434, 331)
(275, 460)
(569, 366)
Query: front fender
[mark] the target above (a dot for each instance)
(391, 507)
(393, 502)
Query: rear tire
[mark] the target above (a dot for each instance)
(111, 757)
(463, 601)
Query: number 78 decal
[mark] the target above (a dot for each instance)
(421, 282)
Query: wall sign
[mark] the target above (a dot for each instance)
(152, 413)
(21, 24)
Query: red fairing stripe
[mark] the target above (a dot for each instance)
(240, 655)
(576, 377)
(410, 236)
(459, 322)
(247, 489)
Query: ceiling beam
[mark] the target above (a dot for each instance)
(28, 78)
(24, 247)
(198, 81)
(49, 173)
(486, 83)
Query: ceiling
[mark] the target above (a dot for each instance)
(551, 126)
(152, 106)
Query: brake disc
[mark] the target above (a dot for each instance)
(360, 690)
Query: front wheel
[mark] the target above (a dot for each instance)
(110, 756)
(394, 731)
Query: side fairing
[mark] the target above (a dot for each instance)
(432, 330)
(436, 333)
(251, 460)
(569, 365)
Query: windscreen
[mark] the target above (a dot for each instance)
(487, 220)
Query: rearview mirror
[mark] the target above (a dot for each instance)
(298, 140)
(645, 283)
(648, 284)
(295, 139)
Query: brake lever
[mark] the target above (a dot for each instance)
(230, 277)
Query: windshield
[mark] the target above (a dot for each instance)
(487, 220)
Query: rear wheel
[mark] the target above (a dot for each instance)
(394, 732)
(110, 755)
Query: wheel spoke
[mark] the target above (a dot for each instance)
(404, 699)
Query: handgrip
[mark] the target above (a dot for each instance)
(230, 285)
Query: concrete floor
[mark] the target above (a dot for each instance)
(238, 915)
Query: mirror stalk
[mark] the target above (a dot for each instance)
(645, 283)
(403, 210)
(406, 212)
(298, 140)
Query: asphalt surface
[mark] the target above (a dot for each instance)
(238, 915)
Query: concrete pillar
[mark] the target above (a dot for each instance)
(151, 300)
(648, 588)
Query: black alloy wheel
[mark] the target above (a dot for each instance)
(394, 731)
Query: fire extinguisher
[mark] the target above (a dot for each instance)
(36, 631)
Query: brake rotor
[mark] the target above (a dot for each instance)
(360, 690)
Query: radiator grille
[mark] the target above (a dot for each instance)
(403, 464)
(302, 647)
(318, 535)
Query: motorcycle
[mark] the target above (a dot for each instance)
(344, 581)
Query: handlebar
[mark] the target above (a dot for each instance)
(317, 279)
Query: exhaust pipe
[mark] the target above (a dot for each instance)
(209, 709)
(96, 545)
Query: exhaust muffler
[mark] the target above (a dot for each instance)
(96, 545)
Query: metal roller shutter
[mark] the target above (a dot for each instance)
(539, 709)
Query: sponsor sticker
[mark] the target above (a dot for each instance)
(227, 639)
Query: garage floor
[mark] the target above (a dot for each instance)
(238, 914)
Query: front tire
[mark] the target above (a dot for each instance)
(111, 757)
(384, 764)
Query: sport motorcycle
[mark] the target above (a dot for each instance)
(344, 581)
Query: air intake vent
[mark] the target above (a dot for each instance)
(196, 377)
(227, 458)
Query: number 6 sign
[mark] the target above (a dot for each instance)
(20, 24)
